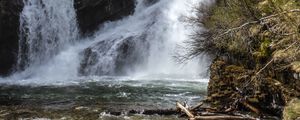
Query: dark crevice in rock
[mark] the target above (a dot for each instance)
(9, 29)
(92, 13)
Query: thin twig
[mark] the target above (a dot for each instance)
(257, 21)
(257, 73)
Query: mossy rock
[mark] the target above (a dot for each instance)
(292, 110)
(234, 68)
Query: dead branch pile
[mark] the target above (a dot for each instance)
(205, 113)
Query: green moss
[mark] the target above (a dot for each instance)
(264, 49)
(292, 110)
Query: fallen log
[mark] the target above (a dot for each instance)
(197, 106)
(229, 110)
(185, 110)
(209, 114)
(252, 108)
(160, 112)
(212, 114)
(225, 117)
(209, 109)
(146, 112)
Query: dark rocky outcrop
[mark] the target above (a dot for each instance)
(91, 13)
(229, 86)
(114, 57)
(9, 28)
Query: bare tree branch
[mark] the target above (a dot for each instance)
(255, 22)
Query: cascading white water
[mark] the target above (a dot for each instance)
(142, 44)
(46, 27)
(152, 32)
(170, 31)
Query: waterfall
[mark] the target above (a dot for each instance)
(46, 27)
(142, 44)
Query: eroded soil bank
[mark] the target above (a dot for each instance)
(255, 47)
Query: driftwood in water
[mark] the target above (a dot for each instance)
(185, 110)
(210, 115)
(147, 112)
(203, 113)
(225, 117)
(197, 106)
(155, 112)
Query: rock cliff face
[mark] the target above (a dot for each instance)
(115, 56)
(229, 86)
(9, 29)
(91, 13)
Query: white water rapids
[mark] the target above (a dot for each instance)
(141, 46)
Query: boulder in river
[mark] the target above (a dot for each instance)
(114, 57)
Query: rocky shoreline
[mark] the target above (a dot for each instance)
(254, 45)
